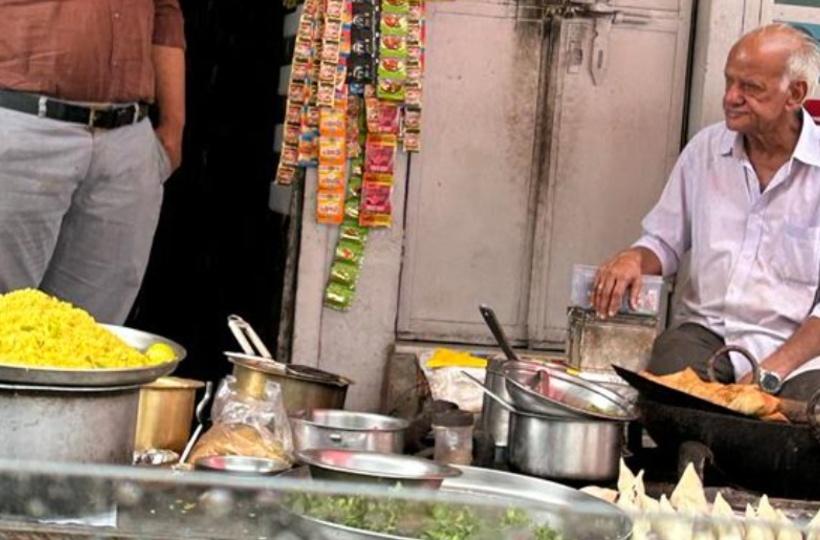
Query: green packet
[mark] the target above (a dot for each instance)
(352, 208)
(393, 24)
(338, 296)
(344, 273)
(395, 6)
(351, 230)
(349, 251)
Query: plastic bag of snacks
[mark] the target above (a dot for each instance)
(246, 426)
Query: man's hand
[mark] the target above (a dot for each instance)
(169, 65)
(171, 139)
(613, 278)
(620, 273)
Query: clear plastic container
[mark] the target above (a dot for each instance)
(650, 299)
(453, 432)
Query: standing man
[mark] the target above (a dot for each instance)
(744, 201)
(81, 167)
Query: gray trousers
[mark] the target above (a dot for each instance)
(691, 345)
(78, 209)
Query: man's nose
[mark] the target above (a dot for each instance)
(733, 95)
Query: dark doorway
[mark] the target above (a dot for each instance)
(219, 249)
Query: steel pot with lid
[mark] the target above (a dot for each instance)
(303, 388)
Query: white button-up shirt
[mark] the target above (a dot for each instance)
(754, 257)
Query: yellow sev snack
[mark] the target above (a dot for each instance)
(39, 330)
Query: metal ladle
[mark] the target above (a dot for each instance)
(200, 418)
(495, 327)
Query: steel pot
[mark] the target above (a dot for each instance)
(495, 419)
(325, 428)
(68, 424)
(166, 410)
(303, 388)
(565, 448)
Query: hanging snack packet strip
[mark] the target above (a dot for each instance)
(344, 272)
(361, 69)
(392, 68)
(415, 71)
(332, 166)
(298, 93)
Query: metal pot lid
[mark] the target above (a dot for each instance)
(294, 371)
(564, 394)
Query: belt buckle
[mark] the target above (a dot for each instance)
(92, 116)
(136, 113)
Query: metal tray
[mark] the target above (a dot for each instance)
(99, 377)
(573, 513)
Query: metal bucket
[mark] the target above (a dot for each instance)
(68, 424)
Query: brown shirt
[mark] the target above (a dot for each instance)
(85, 50)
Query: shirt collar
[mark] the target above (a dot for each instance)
(808, 144)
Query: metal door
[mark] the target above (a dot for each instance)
(616, 124)
(543, 146)
(470, 210)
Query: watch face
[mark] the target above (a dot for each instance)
(770, 382)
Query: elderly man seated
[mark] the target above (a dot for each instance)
(744, 201)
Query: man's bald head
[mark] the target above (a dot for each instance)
(769, 74)
(783, 47)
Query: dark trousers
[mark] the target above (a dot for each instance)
(692, 344)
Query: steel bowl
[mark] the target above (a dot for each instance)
(333, 428)
(375, 467)
(564, 395)
(242, 465)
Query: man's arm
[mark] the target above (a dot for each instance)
(658, 252)
(169, 66)
(796, 351)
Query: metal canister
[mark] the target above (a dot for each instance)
(67, 424)
(166, 411)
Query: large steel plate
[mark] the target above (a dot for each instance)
(99, 377)
(574, 514)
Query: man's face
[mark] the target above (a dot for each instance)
(758, 95)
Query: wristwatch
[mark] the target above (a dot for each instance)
(770, 381)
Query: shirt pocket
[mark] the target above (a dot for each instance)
(797, 254)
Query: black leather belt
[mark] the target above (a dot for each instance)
(45, 107)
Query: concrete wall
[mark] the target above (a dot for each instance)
(354, 343)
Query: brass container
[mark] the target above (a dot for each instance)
(303, 388)
(166, 411)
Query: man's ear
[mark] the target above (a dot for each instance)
(798, 93)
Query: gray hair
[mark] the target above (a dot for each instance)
(804, 62)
